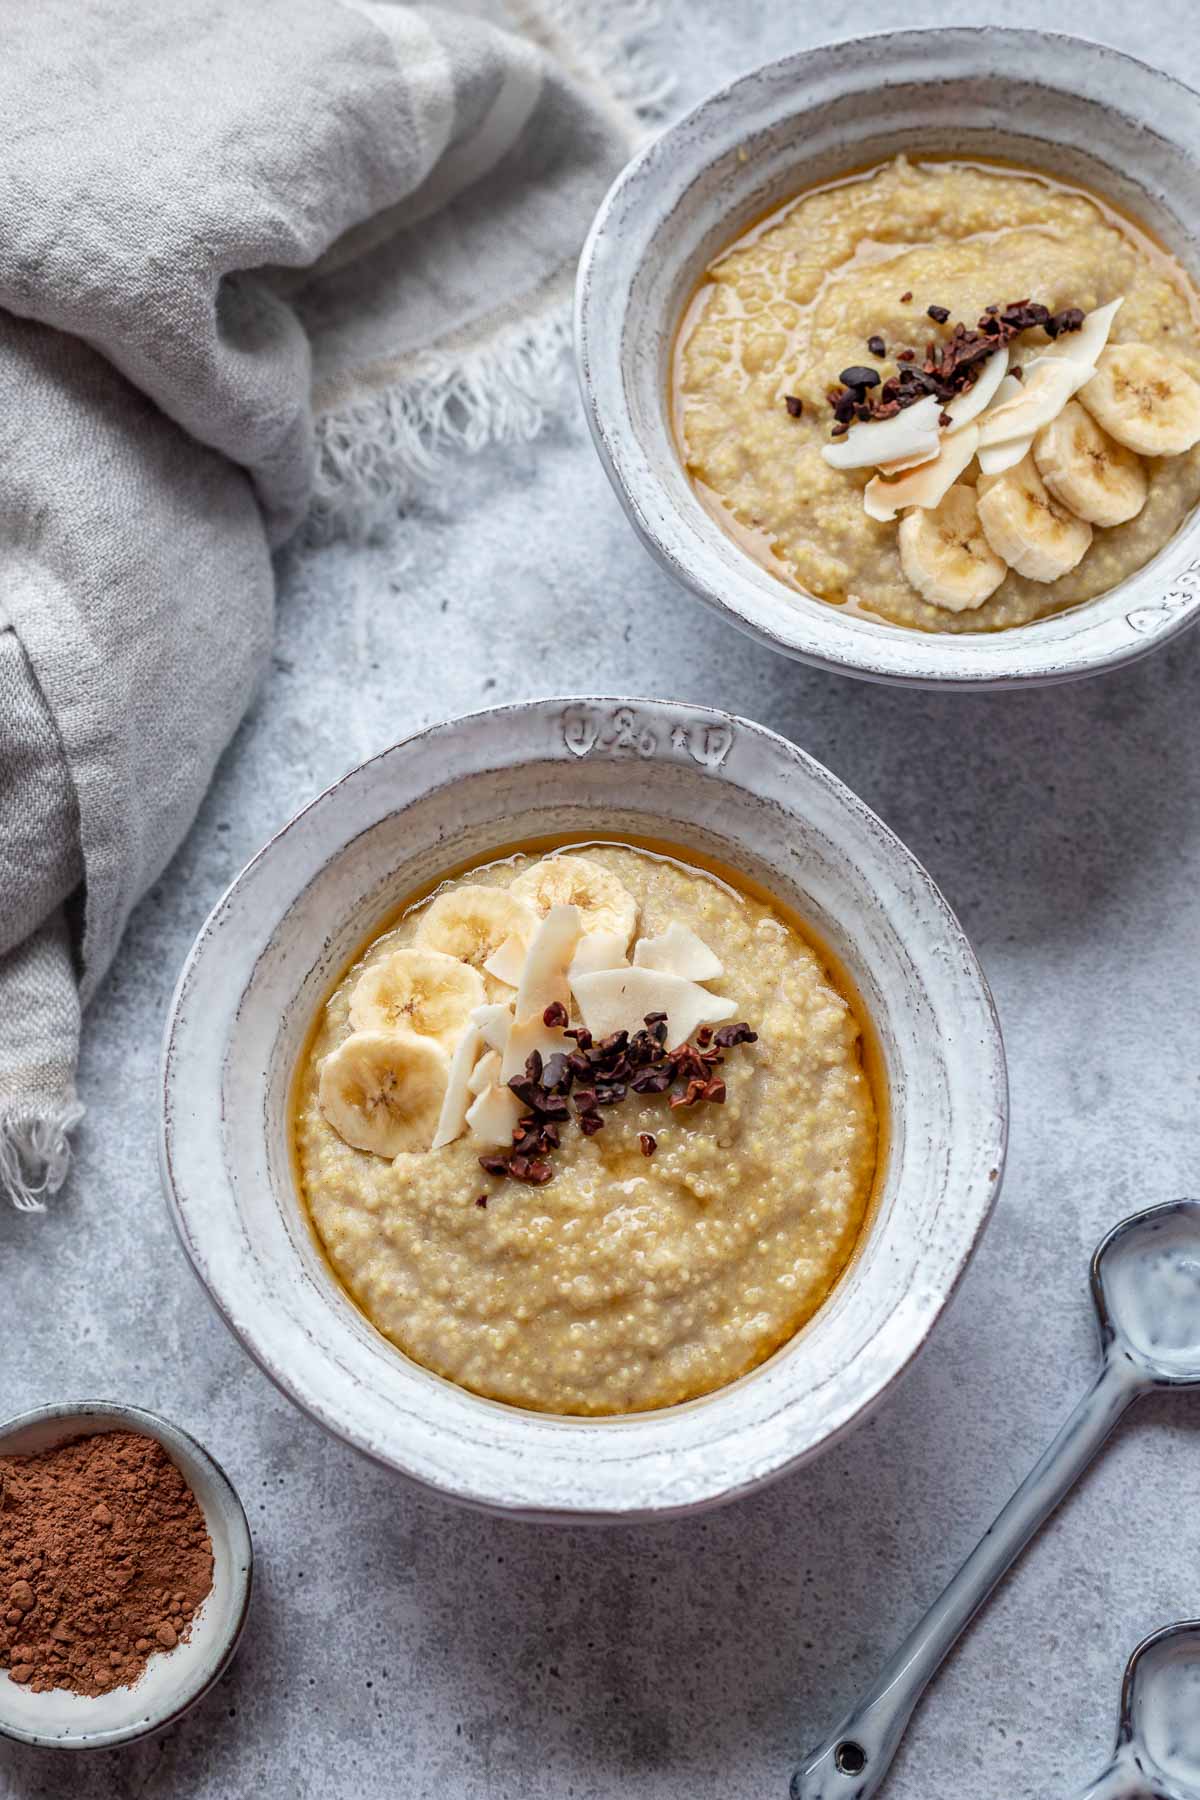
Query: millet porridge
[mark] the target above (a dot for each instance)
(627, 1232)
(828, 317)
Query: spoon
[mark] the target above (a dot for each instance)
(1158, 1732)
(1146, 1290)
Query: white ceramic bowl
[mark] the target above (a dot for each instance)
(172, 1684)
(1075, 109)
(282, 934)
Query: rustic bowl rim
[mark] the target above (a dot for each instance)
(198, 1675)
(192, 1192)
(1146, 610)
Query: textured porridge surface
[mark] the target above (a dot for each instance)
(793, 304)
(627, 1282)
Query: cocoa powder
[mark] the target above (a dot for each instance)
(104, 1561)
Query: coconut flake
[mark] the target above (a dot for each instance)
(599, 950)
(1048, 385)
(965, 407)
(678, 951)
(485, 1072)
(911, 432)
(493, 1117)
(926, 486)
(619, 999)
(995, 458)
(544, 977)
(453, 1117)
(495, 1022)
(528, 1035)
(1086, 344)
(506, 962)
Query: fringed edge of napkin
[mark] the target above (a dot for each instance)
(35, 1151)
(382, 449)
(386, 446)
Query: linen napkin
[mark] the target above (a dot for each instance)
(257, 263)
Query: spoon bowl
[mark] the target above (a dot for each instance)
(1146, 1285)
(1158, 1733)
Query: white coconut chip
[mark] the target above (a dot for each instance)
(678, 951)
(994, 459)
(619, 999)
(965, 407)
(1048, 385)
(453, 1117)
(910, 432)
(507, 962)
(544, 980)
(599, 950)
(528, 1035)
(495, 1022)
(485, 1072)
(1085, 344)
(492, 1118)
(925, 486)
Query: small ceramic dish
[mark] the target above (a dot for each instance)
(456, 794)
(1077, 110)
(171, 1684)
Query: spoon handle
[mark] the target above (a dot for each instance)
(852, 1764)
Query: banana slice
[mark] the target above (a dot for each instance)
(945, 555)
(383, 1090)
(1027, 526)
(605, 904)
(423, 991)
(1097, 478)
(473, 922)
(1145, 400)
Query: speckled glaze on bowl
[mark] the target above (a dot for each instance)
(460, 792)
(1075, 109)
(171, 1685)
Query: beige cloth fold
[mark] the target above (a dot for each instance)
(205, 208)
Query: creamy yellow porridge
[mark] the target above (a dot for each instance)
(620, 1234)
(885, 278)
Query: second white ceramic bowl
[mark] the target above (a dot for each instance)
(1077, 110)
(463, 792)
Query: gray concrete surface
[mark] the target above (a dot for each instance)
(401, 1648)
